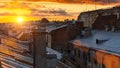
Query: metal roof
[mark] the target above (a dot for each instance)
(112, 45)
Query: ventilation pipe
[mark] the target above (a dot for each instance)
(118, 16)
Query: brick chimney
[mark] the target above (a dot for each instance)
(39, 48)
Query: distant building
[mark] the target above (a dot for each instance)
(89, 17)
(58, 36)
(25, 49)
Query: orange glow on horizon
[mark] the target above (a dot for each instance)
(13, 19)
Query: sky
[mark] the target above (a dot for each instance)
(29, 10)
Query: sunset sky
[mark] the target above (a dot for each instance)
(30, 10)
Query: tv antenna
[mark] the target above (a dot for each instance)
(95, 4)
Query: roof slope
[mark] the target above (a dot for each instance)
(111, 45)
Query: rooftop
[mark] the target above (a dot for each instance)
(111, 45)
(51, 51)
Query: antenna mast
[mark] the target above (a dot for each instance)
(95, 5)
(86, 6)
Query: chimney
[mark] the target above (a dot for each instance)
(113, 29)
(87, 32)
(51, 60)
(107, 27)
(118, 16)
(39, 48)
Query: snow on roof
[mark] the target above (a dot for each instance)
(112, 44)
(58, 54)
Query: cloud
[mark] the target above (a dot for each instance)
(49, 12)
(5, 0)
(56, 9)
(81, 1)
(30, 9)
(59, 12)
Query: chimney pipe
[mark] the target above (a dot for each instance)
(39, 48)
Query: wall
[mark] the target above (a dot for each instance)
(90, 58)
(60, 37)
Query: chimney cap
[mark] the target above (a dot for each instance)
(38, 31)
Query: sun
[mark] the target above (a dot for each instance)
(20, 19)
